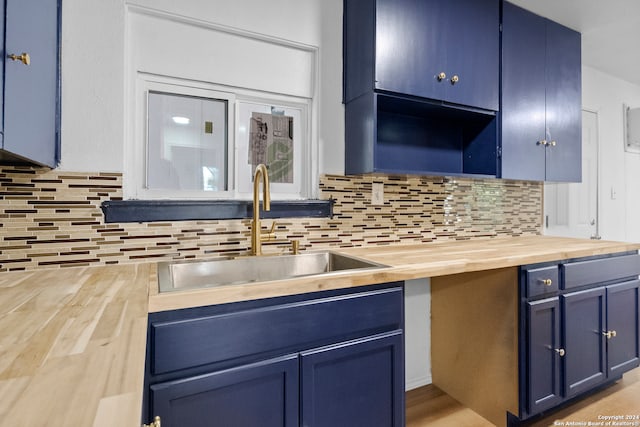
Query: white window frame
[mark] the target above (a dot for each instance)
(237, 186)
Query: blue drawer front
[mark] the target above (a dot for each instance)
(181, 344)
(542, 280)
(582, 273)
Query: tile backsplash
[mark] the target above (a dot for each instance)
(53, 219)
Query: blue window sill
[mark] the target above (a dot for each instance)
(188, 210)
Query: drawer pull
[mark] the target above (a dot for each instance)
(24, 58)
(546, 282)
(155, 423)
(561, 352)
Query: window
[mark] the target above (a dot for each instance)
(200, 140)
(187, 142)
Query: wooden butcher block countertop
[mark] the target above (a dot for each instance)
(405, 262)
(72, 340)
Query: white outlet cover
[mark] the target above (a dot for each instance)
(377, 194)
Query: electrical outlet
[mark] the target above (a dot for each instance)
(377, 194)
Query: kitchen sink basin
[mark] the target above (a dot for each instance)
(175, 276)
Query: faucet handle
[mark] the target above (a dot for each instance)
(268, 235)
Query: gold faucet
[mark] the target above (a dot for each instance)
(257, 236)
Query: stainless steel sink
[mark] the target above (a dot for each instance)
(205, 274)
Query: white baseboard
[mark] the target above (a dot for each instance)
(412, 383)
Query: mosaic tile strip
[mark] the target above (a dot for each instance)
(52, 219)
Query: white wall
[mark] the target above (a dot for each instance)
(417, 333)
(619, 170)
(92, 85)
(93, 69)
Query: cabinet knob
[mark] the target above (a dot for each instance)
(441, 76)
(455, 79)
(610, 334)
(552, 143)
(547, 282)
(561, 352)
(543, 142)
(24, 58)
(155, 423)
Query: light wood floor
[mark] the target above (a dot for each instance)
(429, 406)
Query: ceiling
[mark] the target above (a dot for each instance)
(610, 31)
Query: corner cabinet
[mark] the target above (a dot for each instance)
(322, 359)
(421, 86)
(31, 97)
(540, 113)
(581, 335)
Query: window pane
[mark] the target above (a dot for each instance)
(187, 143)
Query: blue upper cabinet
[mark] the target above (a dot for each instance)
(444, 51)
(563, 79)
(541, 98)
(30, 125)
(421, 86)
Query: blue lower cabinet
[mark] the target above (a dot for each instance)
(333, 358)
(580, 334)
(357, 383)
(584, 323)
(623, 324)
(543, 361)
(260, 394)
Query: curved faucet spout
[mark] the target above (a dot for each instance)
(260, 173)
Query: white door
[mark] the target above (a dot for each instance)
(571, 210)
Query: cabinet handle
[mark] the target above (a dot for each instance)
(455, 79)
(547, 282)
(543, 142)
(561, 352)
(155, 423)
(441, 76)
(24, 58)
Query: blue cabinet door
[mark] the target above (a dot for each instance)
(356, 383)
(31, 91)
(563, 104)
(623, 324)
(472, 45)
(261, 394)
(543, 355)
(523, 94)
(541, 98)
(417, 40)
(410, 47)
(584, 340)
